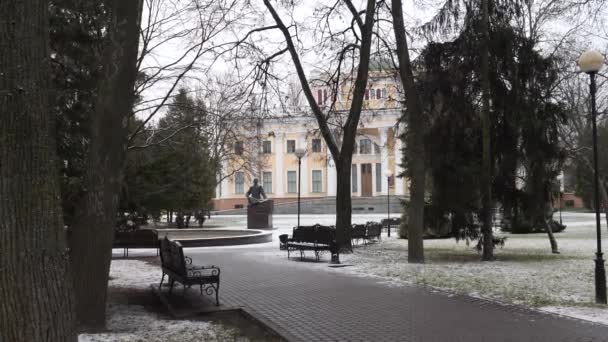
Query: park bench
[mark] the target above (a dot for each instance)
(366, 232)
(140, 238)
(394, 222)
(180, 268)
(315, 238)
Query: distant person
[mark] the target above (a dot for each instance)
(255, 193)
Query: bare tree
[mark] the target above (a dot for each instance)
(351, 43)
(415, 141)
(195, 32)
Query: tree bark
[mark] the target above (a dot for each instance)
(414, 140)
(486, 172)
(93, 230)
(343, 206)
(549, 228)
(36, 300)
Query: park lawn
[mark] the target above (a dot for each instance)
(525, 271)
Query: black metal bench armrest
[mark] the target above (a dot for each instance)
(203, 271)
(208, 267)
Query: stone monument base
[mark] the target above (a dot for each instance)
(259, 215)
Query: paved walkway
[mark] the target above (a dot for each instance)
(306, 303)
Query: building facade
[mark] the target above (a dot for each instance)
(376, 160)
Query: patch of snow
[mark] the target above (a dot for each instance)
(133, 274)
(131, 323)
(593, 314)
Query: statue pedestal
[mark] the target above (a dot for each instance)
(259, 216)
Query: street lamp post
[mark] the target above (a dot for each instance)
(561, 199)
(389, 173)
(591, 62)
(299, 153)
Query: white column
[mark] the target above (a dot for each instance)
(224, 183)
(332, 177)
(302, 144)
(384, 157)
(277, 182)
(399, 190)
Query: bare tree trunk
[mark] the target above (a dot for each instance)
(546, 220)
(415, 140)
(36, 300)
(486, 178)
(93, 230)
(343, 206)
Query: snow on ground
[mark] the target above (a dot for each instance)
(131, 323)
(134, 323)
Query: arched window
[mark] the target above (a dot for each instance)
(367, 94)
(373, 93)
(324, 96)
(384, 95)
(379, 94)
(319, 97)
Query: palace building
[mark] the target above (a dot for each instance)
(273, 142)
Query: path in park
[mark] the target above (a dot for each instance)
(304, 302)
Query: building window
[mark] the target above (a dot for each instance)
(367, 94)
(238, 148)
(353, 179)
(267, 181)
(376, 148)
(320, 97)
(365, 146)
(291, 146)
(324, 96)
(378, 177)
(239, 183)
(317, 181)
(378, 94)
(384, 95)
(266, 147)
(316, 145)
(355, 148)
(372, 94)
(292, 186)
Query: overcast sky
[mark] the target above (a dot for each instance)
(315, 51)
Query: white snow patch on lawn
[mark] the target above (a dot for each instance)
(593, 314)
(133, 274)
(130, 323)
(133, 323)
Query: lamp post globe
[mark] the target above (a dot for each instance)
(389, 174)
(300, 153)
(590, 62)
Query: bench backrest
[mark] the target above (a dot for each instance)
(304, 234)
(314, 234)
(172, 256)
(358, 232)
(325, 235)
(374, 228)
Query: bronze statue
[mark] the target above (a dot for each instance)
(255, 193)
